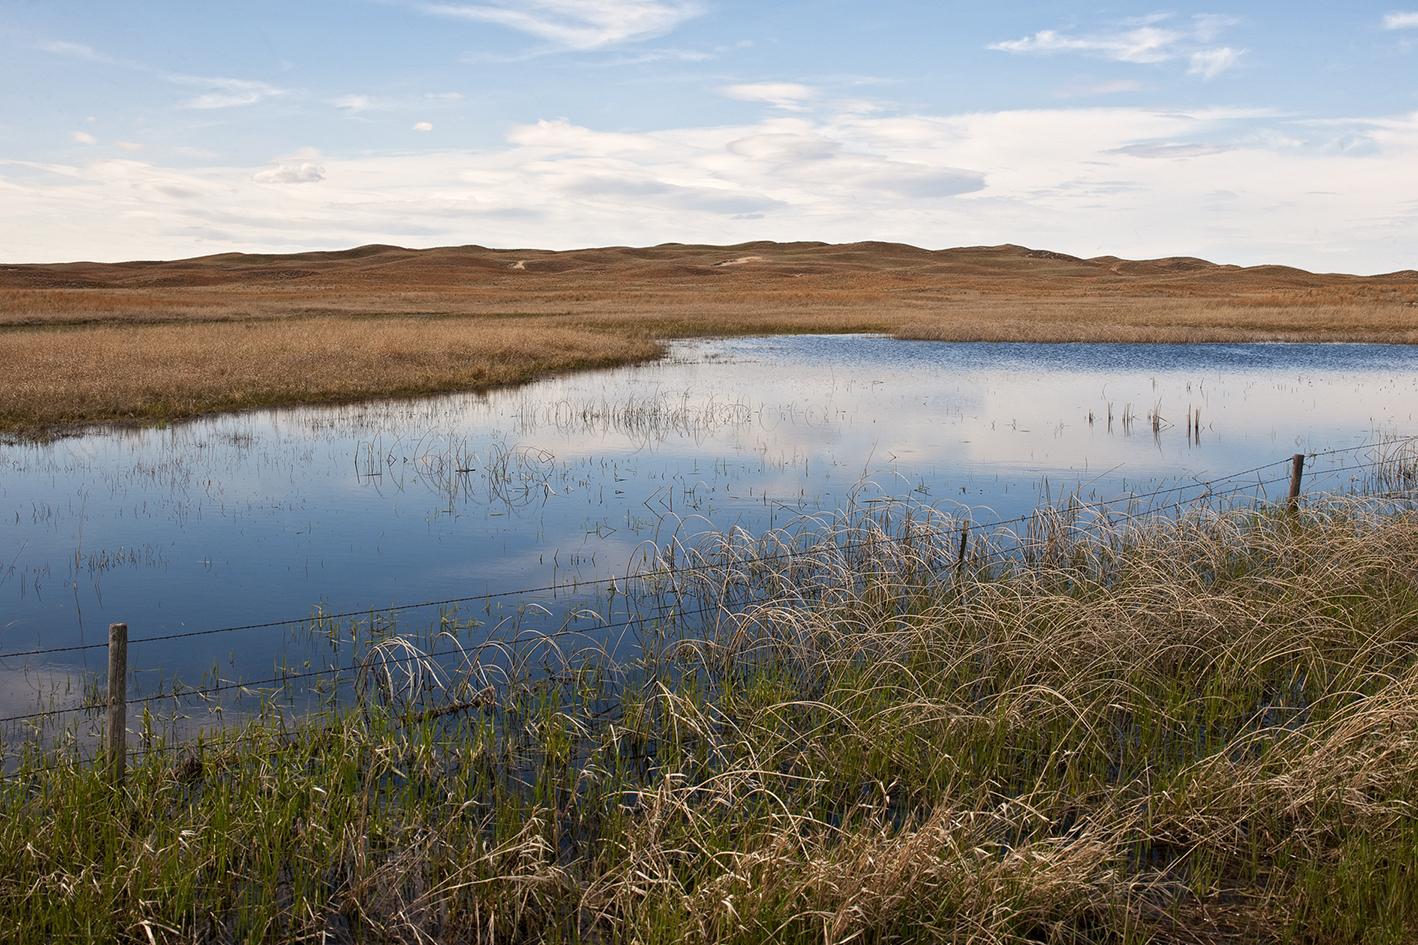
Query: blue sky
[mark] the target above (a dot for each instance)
(1252, 133)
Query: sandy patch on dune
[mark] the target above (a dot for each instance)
(740, 261)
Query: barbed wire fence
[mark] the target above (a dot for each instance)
(1392, 473)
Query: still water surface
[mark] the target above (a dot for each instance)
(266, 515)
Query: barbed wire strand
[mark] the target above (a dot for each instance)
(597, 582)
(284, 680)
(373, 612)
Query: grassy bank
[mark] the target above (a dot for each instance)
(162, 372)
(1191, 731)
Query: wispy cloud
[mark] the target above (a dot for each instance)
(353, 103)
(225, 93)
(79, 51)
(221, 92)
(1147, 44)
(356, 104)
(1206, 27)
(1209, 63)
(1141, 41)
(83, 137)
(578, 24)
(1172, 151)
(1099, 88)
(789, 95)
(1401, 21)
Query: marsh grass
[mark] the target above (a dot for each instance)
(176, 345)
(155, 372)
(1200, 728)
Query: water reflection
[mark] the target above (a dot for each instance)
(269, 515)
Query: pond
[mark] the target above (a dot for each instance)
(268, 516)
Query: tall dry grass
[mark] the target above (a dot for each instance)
(166, 371)
(1199, 730)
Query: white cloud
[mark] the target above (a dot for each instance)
(423, 126)
(1144, 43)
(578, 24)
(785, 147)
(129, 145)
(354, 103)
(562, 137)
(298, 167)
(1401, 21)
(789, 95)
(83, 137)
(1130, 181)
(1147, 44)
(303, 173)
(1209, 63)
(657, 55)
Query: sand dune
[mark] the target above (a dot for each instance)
(1011, 266)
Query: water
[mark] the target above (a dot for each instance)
(267, 515)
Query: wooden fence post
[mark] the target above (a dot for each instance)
(1293, 503)
(964, 544)
(117, 702)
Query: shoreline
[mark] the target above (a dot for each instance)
(82, 394)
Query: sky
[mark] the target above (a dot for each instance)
(1248, 133)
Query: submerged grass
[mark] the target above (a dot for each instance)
(1200, 729)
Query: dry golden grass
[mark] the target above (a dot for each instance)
(1167, 320)
(158, 340)
(1133, 729)
(164, 371)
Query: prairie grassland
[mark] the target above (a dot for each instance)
(602, 307)
(177, 359)
(1200, 730)
(166, 371)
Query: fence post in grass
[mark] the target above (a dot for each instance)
(1293, 503)
(117, 701)
(964, 544)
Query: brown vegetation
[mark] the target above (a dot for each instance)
(1192, 730)
(164, 371)
(91, 341)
